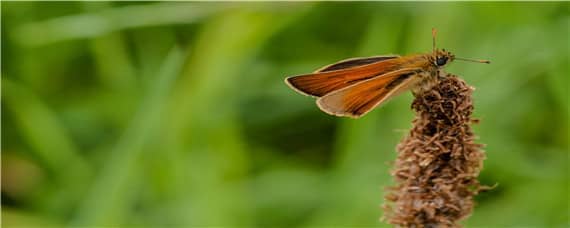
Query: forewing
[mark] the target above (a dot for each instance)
(330, 78)
(358, 99)
(354, 62)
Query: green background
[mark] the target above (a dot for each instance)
(176, 114)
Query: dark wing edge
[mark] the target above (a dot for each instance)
(354, 62)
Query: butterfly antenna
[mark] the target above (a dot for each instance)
(433, 34)
(474, 60)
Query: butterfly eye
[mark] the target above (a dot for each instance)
(441, 61)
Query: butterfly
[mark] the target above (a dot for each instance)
(353, 87)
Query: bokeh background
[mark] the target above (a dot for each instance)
(176, 114)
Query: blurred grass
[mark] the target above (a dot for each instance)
(114, 183)
(176, 114)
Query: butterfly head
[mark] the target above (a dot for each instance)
(440, 58)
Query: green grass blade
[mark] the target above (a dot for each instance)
(108, 201)
(90, 25)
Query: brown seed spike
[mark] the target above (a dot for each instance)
(438, 161)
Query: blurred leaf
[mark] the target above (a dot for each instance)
(114, 183)
(111, 55)
(40, 127)
(16, 218)
(202, 132)
(89, 25)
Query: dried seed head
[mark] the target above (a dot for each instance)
(438, 161)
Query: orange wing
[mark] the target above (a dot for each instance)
(342, 74)
(358, 99)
